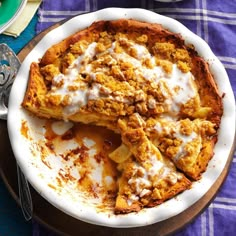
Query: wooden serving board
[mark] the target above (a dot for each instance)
(61, 223)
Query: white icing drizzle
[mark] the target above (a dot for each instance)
(181, 88)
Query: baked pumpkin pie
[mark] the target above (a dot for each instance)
(141, 81)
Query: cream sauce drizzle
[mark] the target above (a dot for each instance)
(156, 172)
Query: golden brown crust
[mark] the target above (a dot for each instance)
(36, 91)
(207, 90)
(117, 86)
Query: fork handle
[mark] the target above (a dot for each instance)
(24, 195)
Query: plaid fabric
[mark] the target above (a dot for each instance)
(215, 22)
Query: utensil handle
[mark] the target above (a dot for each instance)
(24, 195)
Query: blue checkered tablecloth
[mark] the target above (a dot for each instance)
(212, 20)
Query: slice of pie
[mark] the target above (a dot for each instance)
(189, 144)
(140, 80)
(148, 178)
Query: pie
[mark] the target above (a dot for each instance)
(142, 82)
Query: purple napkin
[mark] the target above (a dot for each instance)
(215, 22)
(54, 11)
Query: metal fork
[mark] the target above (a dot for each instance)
(9, 66)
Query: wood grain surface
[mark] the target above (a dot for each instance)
(62, 223)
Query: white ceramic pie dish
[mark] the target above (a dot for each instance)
(69, 199)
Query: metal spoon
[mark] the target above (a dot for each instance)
(9, 66)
